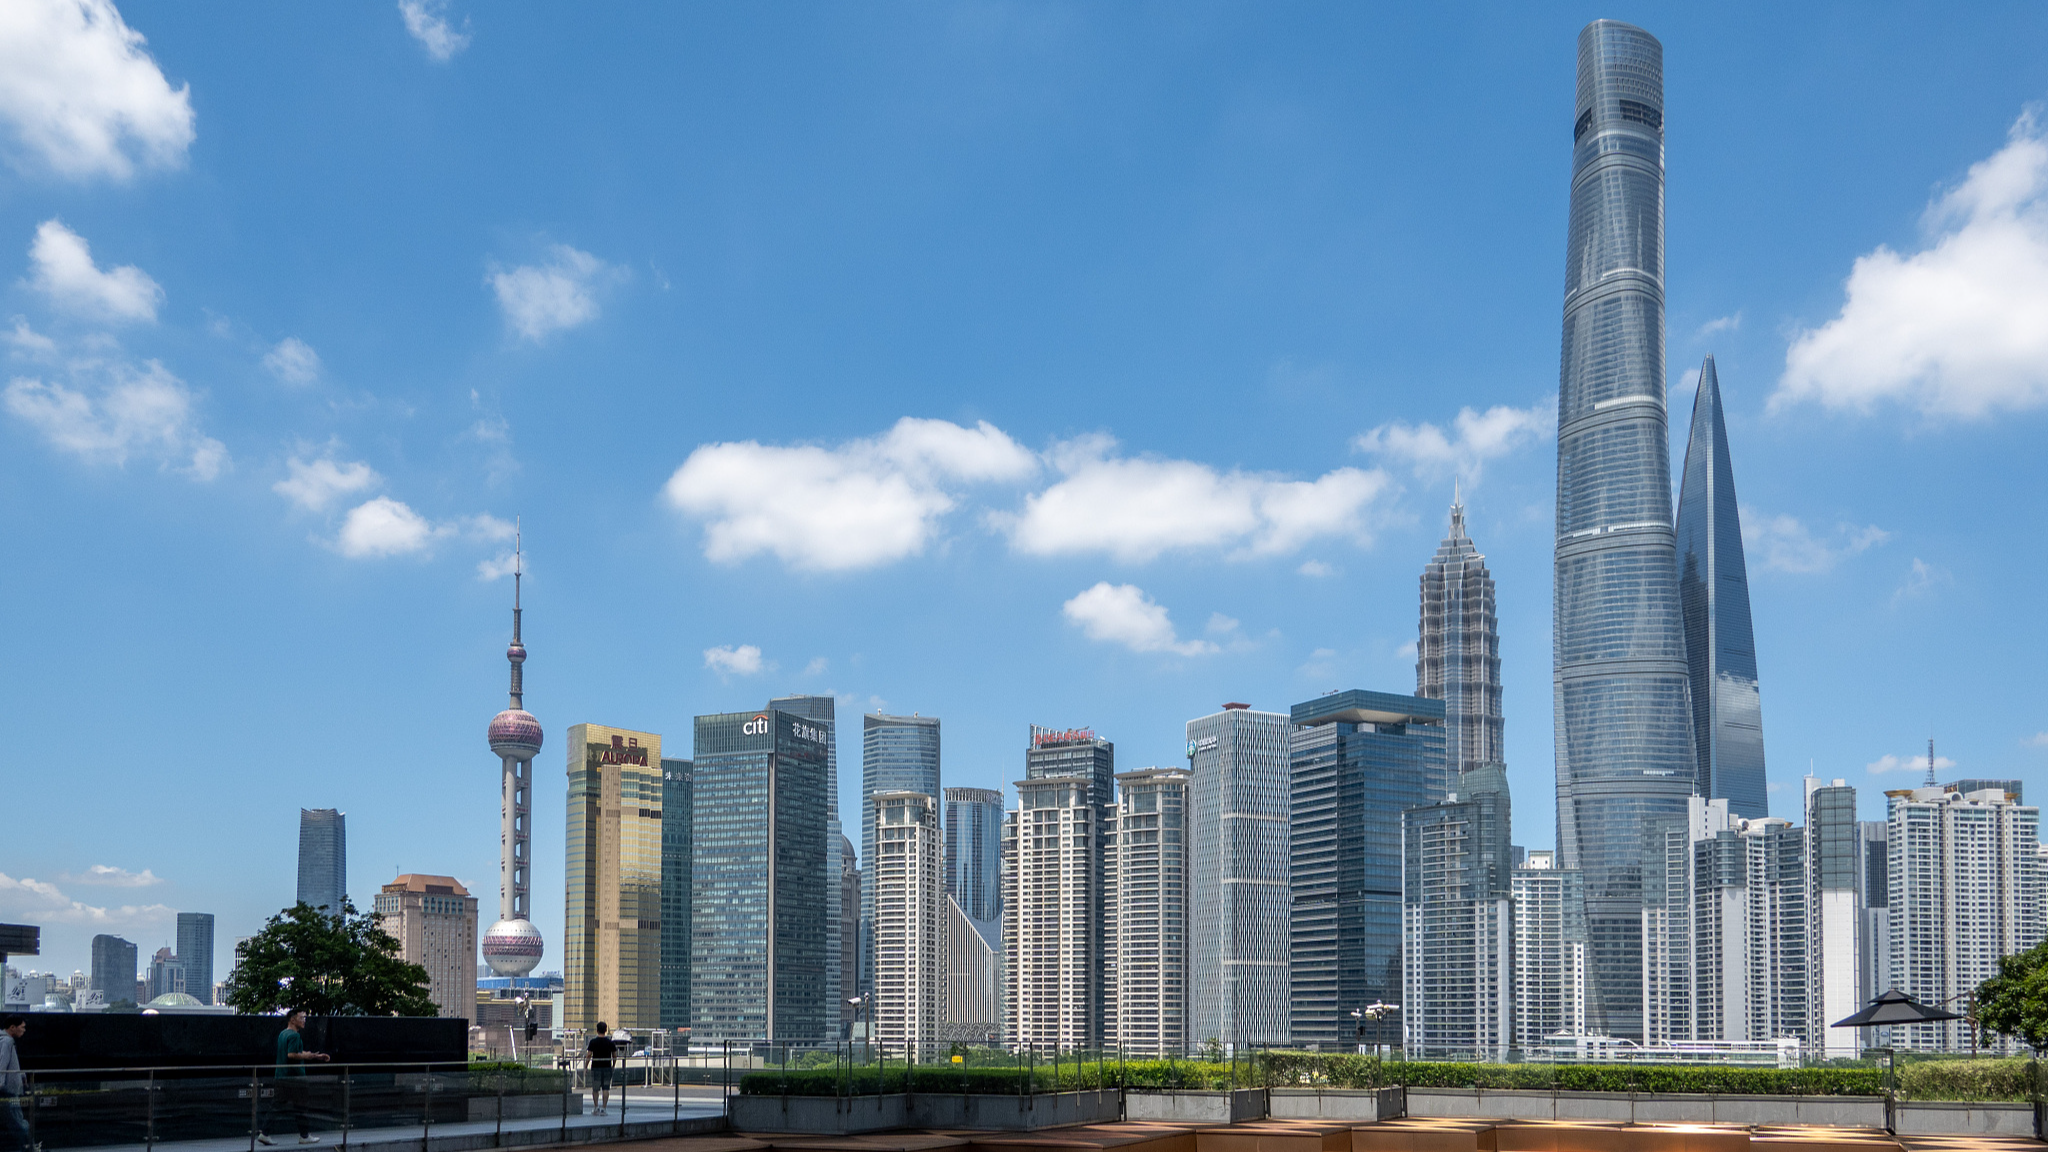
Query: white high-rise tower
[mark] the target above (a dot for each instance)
(512, 946)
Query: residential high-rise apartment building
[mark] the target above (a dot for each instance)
(1550, 951)
(512, 946)
(195, 953)
(910, 923)
(1078, 754)
(677, 874)
(1238, 889)
(1965, 888)
(1624, 721)
(1457, 650)
(760, 890)
(824, 712)
(974, 851)
(1356, 761)
(434, 919)
(974, 972)
(611, 947)
(1835, 946)
(323, 859)
(1148, 886)
(1052, 930)
(113, 968)
(1458, 922)
(897, 754)
(1713, 593)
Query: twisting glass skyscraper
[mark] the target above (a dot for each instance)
(1713, 587)
(1624, 724)
(1457, 651)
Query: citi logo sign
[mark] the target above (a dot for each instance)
(758, 726)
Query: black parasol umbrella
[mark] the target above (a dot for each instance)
(1894, 1007)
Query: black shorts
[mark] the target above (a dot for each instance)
(601, 1077)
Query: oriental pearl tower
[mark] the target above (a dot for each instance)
(512, 946)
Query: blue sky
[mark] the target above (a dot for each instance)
(1013, 363)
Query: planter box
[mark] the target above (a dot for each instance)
(1337, 1104)
(1936, 1117)
(1195, 1107)
(840, 1116)
(1660, 1107)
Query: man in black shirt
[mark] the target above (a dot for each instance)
(601, 1049)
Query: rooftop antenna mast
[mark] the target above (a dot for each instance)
(1930, 762)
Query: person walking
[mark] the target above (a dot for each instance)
(11, 1028)
(292, 1059)
(601, 1048)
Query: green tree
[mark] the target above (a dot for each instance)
(344, 965)
(2015, 1002)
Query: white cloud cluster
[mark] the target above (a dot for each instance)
(64, 271)
(81, 97)
(1955, 329)
(540, 300)
(1135, 508)
(1474, 439)
(109, 876)
(41, 902)
(1913, 764)
(382, 527)
(1785, 544)
(744, 660)
(1921, 579)
(863, 503)
(117, 411)
(1123, 614)
(427, 20)
(292, 361)
(314, 485)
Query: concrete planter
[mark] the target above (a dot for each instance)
(1657, 1107)
(527, 1105)
(1366, 1104)
(1943, 1117)
(840, 1116)
(1195, 1107)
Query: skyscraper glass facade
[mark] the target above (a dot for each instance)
(677, 812)
(1356, 761)
(759, 893)
(1457, 650)
(974, 851)
(195, 953)
(1239, 892)
(1624, 724)
(897, 754)
(611, 951)
(825, 711)
(1713, 590)
(323, 859)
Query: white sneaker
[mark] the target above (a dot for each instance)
(262, 1139)
(309, 1139)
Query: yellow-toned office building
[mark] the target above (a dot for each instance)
(611, 957)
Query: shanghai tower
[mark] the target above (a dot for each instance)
(1713, 587)
(1623, 716)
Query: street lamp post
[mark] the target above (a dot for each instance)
(857, 1003)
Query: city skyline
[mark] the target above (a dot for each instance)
(379, 315)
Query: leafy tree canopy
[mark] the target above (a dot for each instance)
(345, 965)
(2015, 1002)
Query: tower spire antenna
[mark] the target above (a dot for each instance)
(1930, 761)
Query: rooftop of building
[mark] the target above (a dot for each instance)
(431, 885)
(1358, 706)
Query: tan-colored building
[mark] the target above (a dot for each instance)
(434, 918)
(611, 951)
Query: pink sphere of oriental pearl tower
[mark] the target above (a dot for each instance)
(512, 946)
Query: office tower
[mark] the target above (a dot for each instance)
(1877, 968)
(760, 892)
(513, 946)
(1834, 862)
(974, 851)
(1149, 936)
(195, 953)
(677, 813)
(434, 919)
(323, 859)
(165, 976)
(909, 924)
(611, 934)
(1458, 922)
(897, 754)
(1052, 858)
(1550, 951)
(825, 711)
(1079, 754)
(1713, 594)
(1964, 887)
(1624, 724)
(974, 971)
(1457, 650)
(1356, 761)
(113, 968)
(1238, 891)
(846, 895)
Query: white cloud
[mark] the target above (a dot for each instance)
(1134, 508)
(1914, 764)
(1123, 614)
(315, 485)
(428, 23)
(1475, 438)
(293, 361)
(127, 410)
(1921, 579)
(2038, 740)
(112, 877)
(1784, 544)
(1719, 324)
(1221, 625)
(727, 660)
(385, 527)
(540, 300)
(1316, 568)
(64, 271)
(1954, 329)
(1406, 651)
(816, 667)
(80, 95)
(28, 342)
(864, 503)
(496, 567)
(38, 901)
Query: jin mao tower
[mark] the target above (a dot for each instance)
(1457, 654)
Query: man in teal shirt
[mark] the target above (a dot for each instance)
(291, 1070)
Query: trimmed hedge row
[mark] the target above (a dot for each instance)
(2007, 1079)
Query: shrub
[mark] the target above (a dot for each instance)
(1966, 1079)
